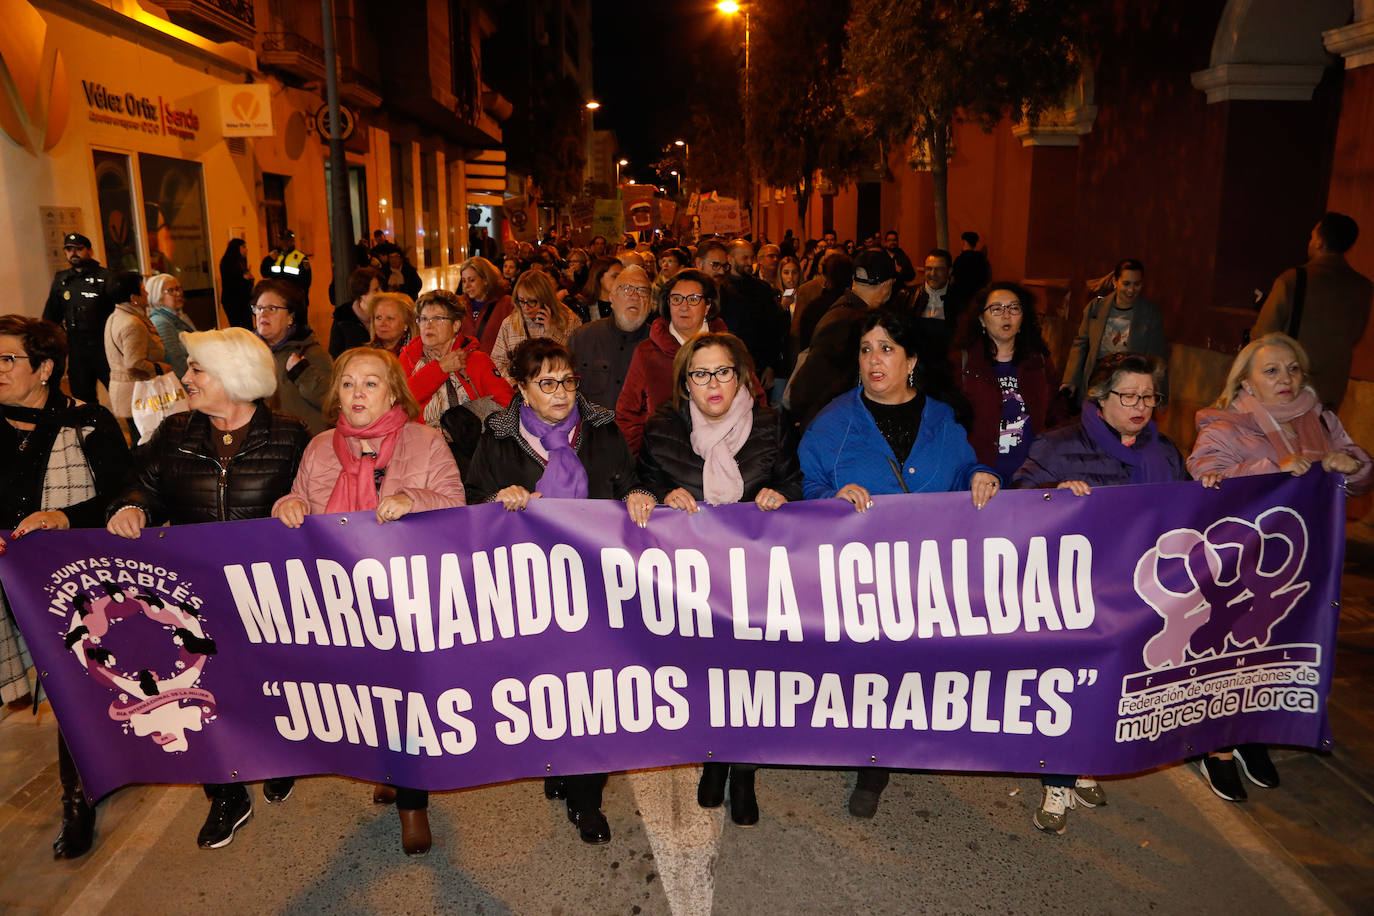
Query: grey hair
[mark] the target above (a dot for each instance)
(154, 286)
(238, 358)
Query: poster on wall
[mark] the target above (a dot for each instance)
(56, 223)
(178, 232)
(115, 199)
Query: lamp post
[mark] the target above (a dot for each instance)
(620, 163)
(730, 8)
(686, 161)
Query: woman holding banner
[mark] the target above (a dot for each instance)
(896, 433)
(1268, 420)
(375, 459)
(229, 458)
(714, 444)
(60, 462)
(552, 442)
(1114, 442)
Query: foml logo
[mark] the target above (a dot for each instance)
(34, 103)
(245, 106)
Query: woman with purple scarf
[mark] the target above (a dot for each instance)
(714, 444)
(553, 443)
(1268, 420)
(1114, 442)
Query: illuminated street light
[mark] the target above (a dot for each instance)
(728, 6)
(593, 105)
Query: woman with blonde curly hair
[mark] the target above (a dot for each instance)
(538, 313)
(391, 319)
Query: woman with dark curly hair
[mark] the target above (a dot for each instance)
(1004, 369)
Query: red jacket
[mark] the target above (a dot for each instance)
(490, 325)
(481, 376)
(977, 377)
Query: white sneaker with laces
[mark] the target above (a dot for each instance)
(1054, 809)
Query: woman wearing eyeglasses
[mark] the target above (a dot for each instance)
(537, 313)
(551, 442)
(687, 308)
(444, 366)
(1004, 369)
(303, 366)
(714, 444)
(1114, 442)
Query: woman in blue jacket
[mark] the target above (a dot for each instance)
(889, 436)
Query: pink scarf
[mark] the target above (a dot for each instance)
(717, 443)
(356, 489)
(1303, 414)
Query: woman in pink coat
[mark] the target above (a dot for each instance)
(1268, 420)
(376, 459)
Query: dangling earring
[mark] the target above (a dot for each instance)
(911, 379)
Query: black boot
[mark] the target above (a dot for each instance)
(78, 826)
(78, 817)
(744, 807)
(711, 789)
(867, 791)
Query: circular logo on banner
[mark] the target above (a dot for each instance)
(348, 122)
(139, 635)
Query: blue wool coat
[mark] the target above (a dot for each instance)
(1069, 453)
(843, 445)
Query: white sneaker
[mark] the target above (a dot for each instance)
(1054, 809)
(1088, 793)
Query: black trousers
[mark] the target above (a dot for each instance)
(584, 791)
(84, 368)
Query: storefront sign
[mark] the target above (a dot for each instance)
(1046, 633)
(348, 122)
(246, 110)
(139, 112)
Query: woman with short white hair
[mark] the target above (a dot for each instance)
(166, 309)
(229, 458)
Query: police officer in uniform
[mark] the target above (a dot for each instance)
(291, 264)
(80, 302)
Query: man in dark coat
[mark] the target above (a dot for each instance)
(80, 302)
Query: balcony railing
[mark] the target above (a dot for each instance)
(290, 53)
(358, 88)
(217, 20)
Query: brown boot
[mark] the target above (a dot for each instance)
(383, 794)
(415, 838)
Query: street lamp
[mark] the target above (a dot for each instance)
(593, 105)
(686, 160)
(619, 164)
(730, 8)
(679, 181)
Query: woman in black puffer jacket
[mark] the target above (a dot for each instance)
(229, 459)
(714, 444)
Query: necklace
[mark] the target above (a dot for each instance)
(228, 438)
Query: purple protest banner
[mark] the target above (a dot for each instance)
(1046, 633)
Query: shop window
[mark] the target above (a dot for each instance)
(114, 189)
(178, 230)
(274, 206)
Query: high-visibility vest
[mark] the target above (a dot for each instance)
(289, 263)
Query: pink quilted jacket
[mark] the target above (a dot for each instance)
(422, 467)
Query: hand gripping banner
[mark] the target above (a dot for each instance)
(1047, 633)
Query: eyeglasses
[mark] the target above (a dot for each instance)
(432, 319)
(641, 292)
(1131, 400)
(717, 265)
(1003, 308)
(692, 299)
(550, 385)
(268, 309)
(524, 303)
(7, 360)
(702, 377)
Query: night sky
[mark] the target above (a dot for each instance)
(645, 62)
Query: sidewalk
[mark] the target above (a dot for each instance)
(940, 843)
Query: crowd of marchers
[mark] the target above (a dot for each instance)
(651, 372)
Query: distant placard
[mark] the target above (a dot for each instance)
(723, 216)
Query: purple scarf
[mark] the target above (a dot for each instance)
(564, 477)
(1148, 459)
